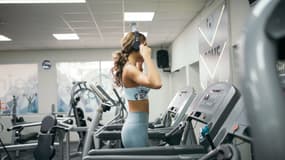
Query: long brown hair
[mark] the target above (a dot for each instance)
(126, 49)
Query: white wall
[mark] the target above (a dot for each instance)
(193, 76)
(185, 49)
(159, 99)
(178, 79)
(239, 13)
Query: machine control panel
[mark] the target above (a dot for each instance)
(214, 105)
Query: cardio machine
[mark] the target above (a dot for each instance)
(210, 107)
(77, 114)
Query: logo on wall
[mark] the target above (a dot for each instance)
(46, 64)
(214, 52)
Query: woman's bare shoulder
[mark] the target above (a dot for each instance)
(129, 68)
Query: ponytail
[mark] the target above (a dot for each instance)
(117, 69)
(122, 56)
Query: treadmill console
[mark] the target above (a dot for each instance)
(180, 98)
(214, 105)
(180, 103)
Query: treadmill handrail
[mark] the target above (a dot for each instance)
(103, 92)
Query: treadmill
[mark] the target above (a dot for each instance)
(211, 107)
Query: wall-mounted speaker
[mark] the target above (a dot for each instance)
(252, 2)
(162, 58)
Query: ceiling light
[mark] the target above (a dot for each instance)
(39, 1)
(66, 36)
(4, 38)
(144, 33)
(138, 16)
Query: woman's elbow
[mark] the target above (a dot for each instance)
(157, 86)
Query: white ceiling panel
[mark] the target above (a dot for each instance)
(99, 23)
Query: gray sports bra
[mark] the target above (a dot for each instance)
(136, 93)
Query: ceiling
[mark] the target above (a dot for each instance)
(98, 23)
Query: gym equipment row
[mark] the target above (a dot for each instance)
(210, 107)
(221, 97)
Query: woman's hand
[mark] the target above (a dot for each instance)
(139, 65)
(145, 51)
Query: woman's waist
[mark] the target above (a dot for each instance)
(138, 106)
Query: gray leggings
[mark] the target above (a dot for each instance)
(134, 132)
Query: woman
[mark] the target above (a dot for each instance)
(128, 74)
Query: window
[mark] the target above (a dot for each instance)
(91, 72)
(21, 82)
(106, 76)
